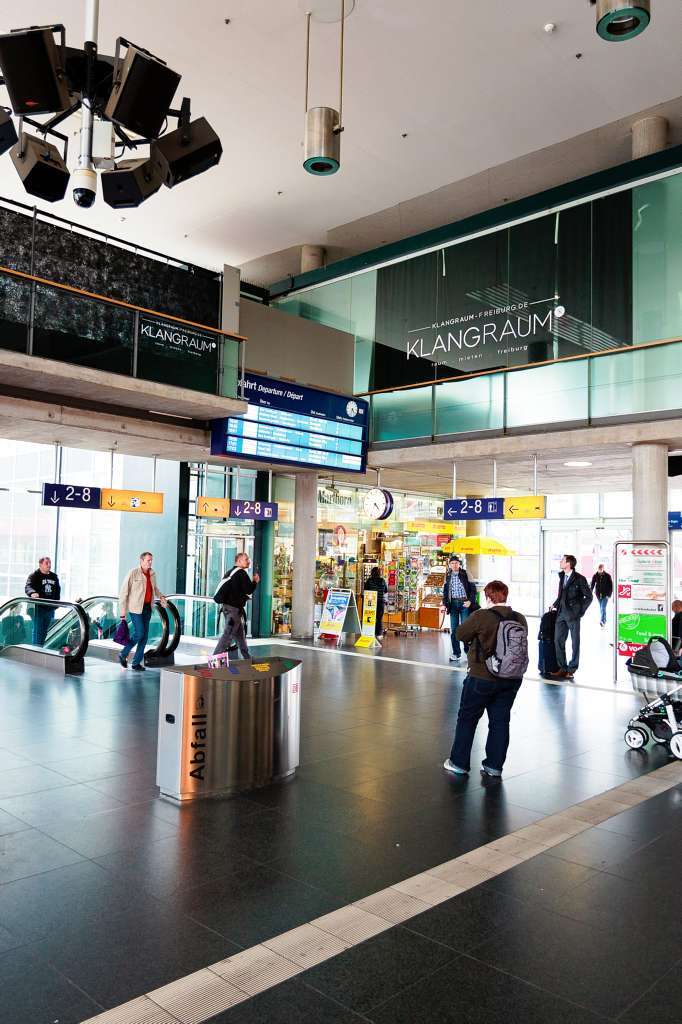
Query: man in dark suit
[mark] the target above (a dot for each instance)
(602, 588)
(573, 600)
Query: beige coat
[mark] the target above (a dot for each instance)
(131, 598)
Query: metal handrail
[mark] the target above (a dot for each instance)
(81, 615)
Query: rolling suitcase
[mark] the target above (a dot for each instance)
(547, 662)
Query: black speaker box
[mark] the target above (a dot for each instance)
(142, 93)
(41, 168)
(8, 133)
(130, 183)
(30, 64)
(186, 151)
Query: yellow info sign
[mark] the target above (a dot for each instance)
(114, 500)
(217, 508)
(526, 507)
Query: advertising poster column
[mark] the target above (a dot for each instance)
(642, 596)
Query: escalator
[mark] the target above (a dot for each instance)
(58, 635)
(48, 634)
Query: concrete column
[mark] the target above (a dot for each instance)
(305, 547)
(650, 492)
(312, 257)
(649, 135)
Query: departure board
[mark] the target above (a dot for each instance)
(295, 425)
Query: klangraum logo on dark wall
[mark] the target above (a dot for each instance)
(176, 338)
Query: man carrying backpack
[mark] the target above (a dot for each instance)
(233, 592)
(497, 660)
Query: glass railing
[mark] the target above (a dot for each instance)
(198, 616)
(61, 628)
(56, 321)
(103, 615)
(643, 379)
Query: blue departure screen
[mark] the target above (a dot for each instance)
(287, 423)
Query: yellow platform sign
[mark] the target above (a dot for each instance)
(528, 506)
(114, 500)
(218, 508)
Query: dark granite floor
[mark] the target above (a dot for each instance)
(107, 892)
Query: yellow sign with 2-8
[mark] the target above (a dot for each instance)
(528, 506)
(115, 500)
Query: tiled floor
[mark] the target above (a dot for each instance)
(107, 892)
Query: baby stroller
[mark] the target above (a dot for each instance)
(655, 674)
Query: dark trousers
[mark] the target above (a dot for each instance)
(139, 635)
(564, 627)
(42, 620)
(458, 614)
(379, 627)
(233, 631)
(479, 695)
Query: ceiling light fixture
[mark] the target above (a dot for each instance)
(578, 463)
(323, 125)
(124, 103)
(619, 20)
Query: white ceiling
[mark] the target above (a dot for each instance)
(472, 84)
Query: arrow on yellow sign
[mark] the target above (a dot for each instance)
(216, 508)
(115, 500)
(529, 506)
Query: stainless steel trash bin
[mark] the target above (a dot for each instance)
(228, 729)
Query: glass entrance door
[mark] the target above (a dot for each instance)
(219, 556)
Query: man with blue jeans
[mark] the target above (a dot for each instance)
(482, 691)
(138, 591)
(602, 587)
(456, 602)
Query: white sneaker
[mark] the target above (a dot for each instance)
(450, 767)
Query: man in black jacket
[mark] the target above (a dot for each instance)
(573, 600)
(43, 584)
(456, 601)
(602, 588)
(236, 587)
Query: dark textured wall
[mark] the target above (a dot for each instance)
(69, 257)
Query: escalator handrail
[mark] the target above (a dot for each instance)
(81, 615)
(162, 648)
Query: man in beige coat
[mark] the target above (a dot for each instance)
(138, 591)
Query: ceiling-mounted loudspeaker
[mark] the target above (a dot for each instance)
(142, 92)
(32, 68)
(130, 183)
(619, 20)
(41, 168)
(322, 151)
(191, 149)
(8, 133)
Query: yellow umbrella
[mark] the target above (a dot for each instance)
(478, 546)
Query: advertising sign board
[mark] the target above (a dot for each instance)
(367, 638)
(339, 615)
(642, 594)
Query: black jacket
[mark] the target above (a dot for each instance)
(466, 583)
(235, 588)
(602, 585)
(44, 584)
(676, 626)
(377, 583)
(575, 598)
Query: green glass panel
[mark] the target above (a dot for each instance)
(466, 405)
(548, 394)
(230, 376)
(642, 381)
(657, 260)
(398, 415)
(363, 319)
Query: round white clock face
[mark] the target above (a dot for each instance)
(377, 504)
(352, 408)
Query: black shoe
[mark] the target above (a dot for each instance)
(137, 668)
(123, 662)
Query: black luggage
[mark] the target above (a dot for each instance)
(547, 662)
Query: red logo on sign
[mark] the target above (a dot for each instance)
(627, 649)
(648, 551)
(624, 590)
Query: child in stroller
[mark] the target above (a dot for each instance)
(655, 674)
